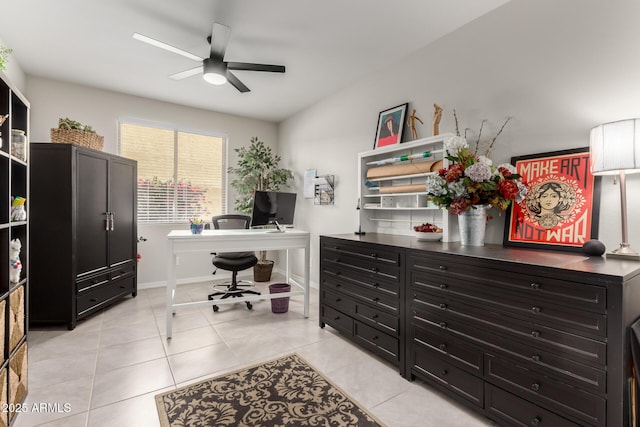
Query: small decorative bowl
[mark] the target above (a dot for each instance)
(428, 236)
(197, 228)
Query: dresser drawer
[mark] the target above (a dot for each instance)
(434, 271)
(99, 296)
(361, 251)
(555, 395)
(355, 268)
(530, 308)
(377, 318)
(89, 283)
(124, 270)
(429, 366)
(496, 328)
(337, 278)
(513, 411)
(369, 294)
(338, 301)
(458, 352)
(380, 343)
(336, 319)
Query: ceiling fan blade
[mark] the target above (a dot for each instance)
(219, 40)
(165, 46)
(255, 67)
(187, 73)
(235, 82)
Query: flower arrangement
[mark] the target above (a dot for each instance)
(472, 179)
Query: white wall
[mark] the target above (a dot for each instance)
(558, 68)
(101, 109)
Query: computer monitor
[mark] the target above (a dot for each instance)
(273, 207)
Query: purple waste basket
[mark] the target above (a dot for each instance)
(279, 305)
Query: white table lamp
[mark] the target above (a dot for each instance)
(615, 149)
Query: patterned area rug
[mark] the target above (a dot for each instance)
(282, 392)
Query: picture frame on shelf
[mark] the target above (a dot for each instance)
(561, 209)
(390, 126)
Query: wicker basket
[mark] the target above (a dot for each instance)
(78, 137)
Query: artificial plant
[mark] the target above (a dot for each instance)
(257, 170)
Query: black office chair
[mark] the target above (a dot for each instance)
(233, 261)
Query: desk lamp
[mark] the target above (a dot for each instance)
(615, 149)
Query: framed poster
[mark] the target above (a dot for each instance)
(560, 211)
(390, 126)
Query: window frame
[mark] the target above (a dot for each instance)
(176, 129)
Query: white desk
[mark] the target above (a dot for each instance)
(182, 241)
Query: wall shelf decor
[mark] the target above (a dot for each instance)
(323, 190)
(392, 191)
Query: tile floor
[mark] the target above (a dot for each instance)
(109, 368)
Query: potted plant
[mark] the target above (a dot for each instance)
(4, 54)
(257, 170)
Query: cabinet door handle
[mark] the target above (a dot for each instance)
(535, 387)
(443, 305)
(536, 421)
(536, 358)
(442, 267)
(113, 221)
(442, 346)
(535, 286)
(535, 334)
(107, 223)
(536, 309)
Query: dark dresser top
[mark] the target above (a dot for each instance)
(562, 263)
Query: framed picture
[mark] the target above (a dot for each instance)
(390, 126)
(560, 211)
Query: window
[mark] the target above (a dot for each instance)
(181, 174)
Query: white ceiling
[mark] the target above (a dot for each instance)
(325, 45)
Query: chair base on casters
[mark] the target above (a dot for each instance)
(233, 291)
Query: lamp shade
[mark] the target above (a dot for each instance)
(615, 147)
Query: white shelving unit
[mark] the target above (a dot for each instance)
(383, 210)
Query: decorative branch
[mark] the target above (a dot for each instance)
(497, 135)
(479, 134)
(455, 116)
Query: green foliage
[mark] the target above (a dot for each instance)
(4, 53)
(67, 123)
(257, 170)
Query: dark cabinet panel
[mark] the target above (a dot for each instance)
(85, 201)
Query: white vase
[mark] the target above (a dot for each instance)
(473, 225)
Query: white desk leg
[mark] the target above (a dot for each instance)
(288, 270)
(171, 285)
(307, 257)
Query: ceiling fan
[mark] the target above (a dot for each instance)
(214, 69)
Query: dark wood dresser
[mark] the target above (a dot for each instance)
(528, 337)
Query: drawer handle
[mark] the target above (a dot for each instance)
(375, 285)
(122, 286)
(443, 346)
(442, 267)
(536, 358)
(444, 372)
(535, 387)
(336, 318)
(95, 282)
(375, 337)
(443, 286)
(374, 255)
(536, 309)
(443, 324)
(338, 299)
(536, 421)
(338, 273)
(376, 299)
(93, 299)
(535, 286)
(337, 260)
(443, 306)
(375, 316)
(535, 334)
(375, 269)
(338, 285)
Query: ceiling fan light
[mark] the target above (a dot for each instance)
(214, 72)
(214, 79)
